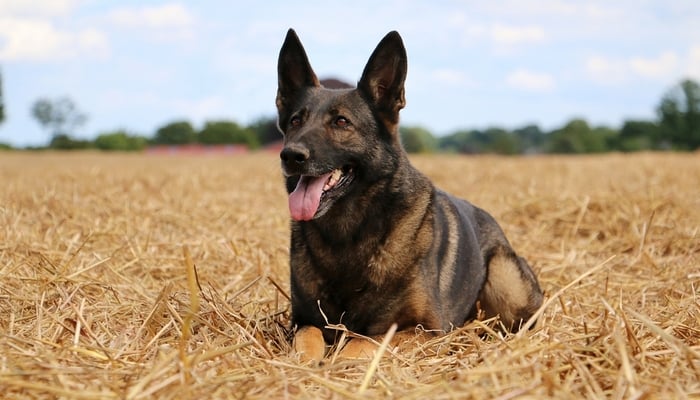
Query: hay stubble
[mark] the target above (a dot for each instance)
(95, 252)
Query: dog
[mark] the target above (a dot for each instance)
(373, 241)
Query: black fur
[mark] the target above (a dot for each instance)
(385, 246)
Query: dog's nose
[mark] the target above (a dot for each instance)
(294, 157)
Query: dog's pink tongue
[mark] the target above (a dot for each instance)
(304, 200)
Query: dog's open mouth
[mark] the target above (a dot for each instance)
(313, 194)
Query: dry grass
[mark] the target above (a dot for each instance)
(98, 297)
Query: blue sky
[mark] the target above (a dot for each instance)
(137, 65)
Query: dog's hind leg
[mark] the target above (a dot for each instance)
(511, 290)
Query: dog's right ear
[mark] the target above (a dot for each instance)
(293, 71)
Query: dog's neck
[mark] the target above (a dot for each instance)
(354, 242)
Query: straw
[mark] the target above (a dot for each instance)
(167, 277)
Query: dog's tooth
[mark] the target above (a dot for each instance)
(332, 179)
(329, 183)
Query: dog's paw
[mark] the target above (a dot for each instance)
(359, 348)
(309, 345)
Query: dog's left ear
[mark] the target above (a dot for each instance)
(294, 71)
(384, 75)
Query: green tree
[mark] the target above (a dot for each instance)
(470, 142)
(531, 139)
(120, 140)
(65, 142)
(223, 132)
(2, 103)
(178, 132)
(416, 139)
(3, 146)
(568, 138)
(457, 142)
(578, 137)
(478, 141)
(638, 135)
(59, 116)
(266, 131)
(492, 140)
(500, 141)
(603, 139)
(679, 115)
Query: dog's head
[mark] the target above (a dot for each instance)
(336, 141)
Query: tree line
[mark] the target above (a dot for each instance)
(677, 127)
(171, 134)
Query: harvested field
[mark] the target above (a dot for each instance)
(98, 297)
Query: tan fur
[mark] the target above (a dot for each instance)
(506, 293)
(360, 348)
(450, 258)
(391, 257)
(309, 344)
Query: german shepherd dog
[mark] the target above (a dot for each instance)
(373, 242)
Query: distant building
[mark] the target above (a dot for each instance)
(333, 83)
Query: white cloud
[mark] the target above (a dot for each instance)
(692, 67)
(553, 9)
(164, 23)
(511, 35)
(531, 81)
(452, 77)
(44, 8)
(203, 108)
(611, 71)
(501, 37)
(167, 16)
(34, 39)
(605, 71)
(656, 68)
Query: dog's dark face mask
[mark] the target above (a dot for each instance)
(318, 174)
(335, 141)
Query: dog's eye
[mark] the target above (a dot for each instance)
(341, 122)
(295, 121)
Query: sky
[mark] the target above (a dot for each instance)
(138, 65)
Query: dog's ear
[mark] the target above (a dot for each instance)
(384, 75)
(293, 70)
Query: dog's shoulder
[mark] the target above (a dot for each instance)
(488, 232)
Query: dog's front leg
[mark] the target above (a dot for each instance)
(309, 344)
(365, 348)
(359, 348)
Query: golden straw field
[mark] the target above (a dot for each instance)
(128, 276)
